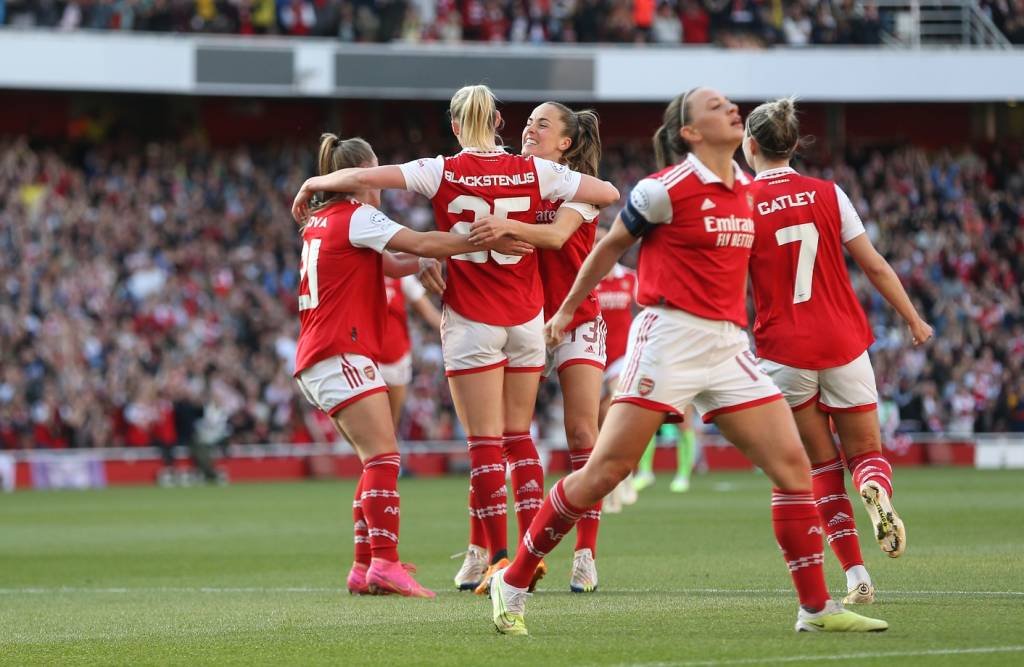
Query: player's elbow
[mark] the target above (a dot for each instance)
(607, 195)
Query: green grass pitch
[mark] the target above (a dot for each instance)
(254, 574)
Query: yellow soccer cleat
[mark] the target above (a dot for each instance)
(508, 606)
(834, 618)
(889, 529)
(860, 594)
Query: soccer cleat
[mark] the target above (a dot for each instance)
(357, 579)
(508, 605)
(386, 576)
(538, 574)
(485, 585)
(860, 594)
(627, 494)
(889, 530)
(680, 484)
(584, 572)
(612, 502)
(473, 567)
(643, 480)
(834, 618)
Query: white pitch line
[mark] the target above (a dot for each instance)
(34, 590)
(835, 657)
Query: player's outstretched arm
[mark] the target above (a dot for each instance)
(597, 192)
(354, 179)
(446, 244)
(888, 285)
(553, 236)
(596, 266)
(399, 265)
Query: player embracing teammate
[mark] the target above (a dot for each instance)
(812, 334)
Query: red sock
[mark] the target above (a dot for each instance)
(798, 532)
(487, 479)
(477, 536)
(836, 512)
(586, 529)
(871, 466)
(527, 477)
(381, 504)
(555, 518)
(360, 529)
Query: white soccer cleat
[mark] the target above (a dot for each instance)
(473, 567)
(834, 618)
(860, 594)
(889, 530)
(508, 606)
(612, 503)
(584, 572)
(627, 492)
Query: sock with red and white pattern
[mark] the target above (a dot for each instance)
(836, 512)
(360, 528)
(872, 466)
(477, 536)
(798, 532)
(380, 501)
(586, 529)
(487, 480)
(554, 520)
(527, 477)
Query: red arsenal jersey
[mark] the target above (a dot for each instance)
(487, 286)
(400, 293)
(807, 313)
(697, 241)
(616, 295)
(342, 302)
(558, 268)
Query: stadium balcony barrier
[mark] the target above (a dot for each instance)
(973, 71)
(96, 468)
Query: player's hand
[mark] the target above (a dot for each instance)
(489, 229)
(555, 327)
(300, 206)
(920, 332)
(511, 246)
(430, 274)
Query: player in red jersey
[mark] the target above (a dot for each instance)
(564, 235)
(342, 311)
(688, 345)
(813, 335)
(396, 353)
(492, 322)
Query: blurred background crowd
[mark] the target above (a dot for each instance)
(729, 23)
(148, 290)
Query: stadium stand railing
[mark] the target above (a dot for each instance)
(917, 23)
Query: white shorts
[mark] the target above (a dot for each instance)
(337, 382)
(849, 388)
(399, 373)
(583, 345)
(674, 359)
(471, 347)
(613, 370)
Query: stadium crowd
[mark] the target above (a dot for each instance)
(730, 23)
(148, 292)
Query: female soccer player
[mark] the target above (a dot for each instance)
(564, 235)
(342, 310)
(813, 335)
(492, 321)
(688, 345)
(396, 353)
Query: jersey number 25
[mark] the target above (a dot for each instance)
(481, 209)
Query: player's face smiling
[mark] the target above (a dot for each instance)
(543, 134)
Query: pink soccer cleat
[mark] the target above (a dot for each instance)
(385, 577)
(357, 579)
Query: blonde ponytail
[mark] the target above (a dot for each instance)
(475, 109)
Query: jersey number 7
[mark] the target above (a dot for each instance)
(807, 236)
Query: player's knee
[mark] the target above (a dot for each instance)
(607, 474)
(581, 436)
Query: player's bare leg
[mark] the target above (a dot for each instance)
(828, 477)
(861, 439)
(396, 398)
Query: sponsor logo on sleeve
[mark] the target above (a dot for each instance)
(640, 199)
(380, 221)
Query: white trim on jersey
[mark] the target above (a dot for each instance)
(588, 211)
(707, 176)
(370, 228)
(852, 225)
(423, 175)
(412, 289)
(774, 173)
(650, 198)
(556, 181)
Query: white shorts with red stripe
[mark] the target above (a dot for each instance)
(471, 347)
(674, 358)
(337, 382)
(583, 345)
(847, 388)
(399, 373)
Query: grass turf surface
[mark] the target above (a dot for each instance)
(251, 574)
